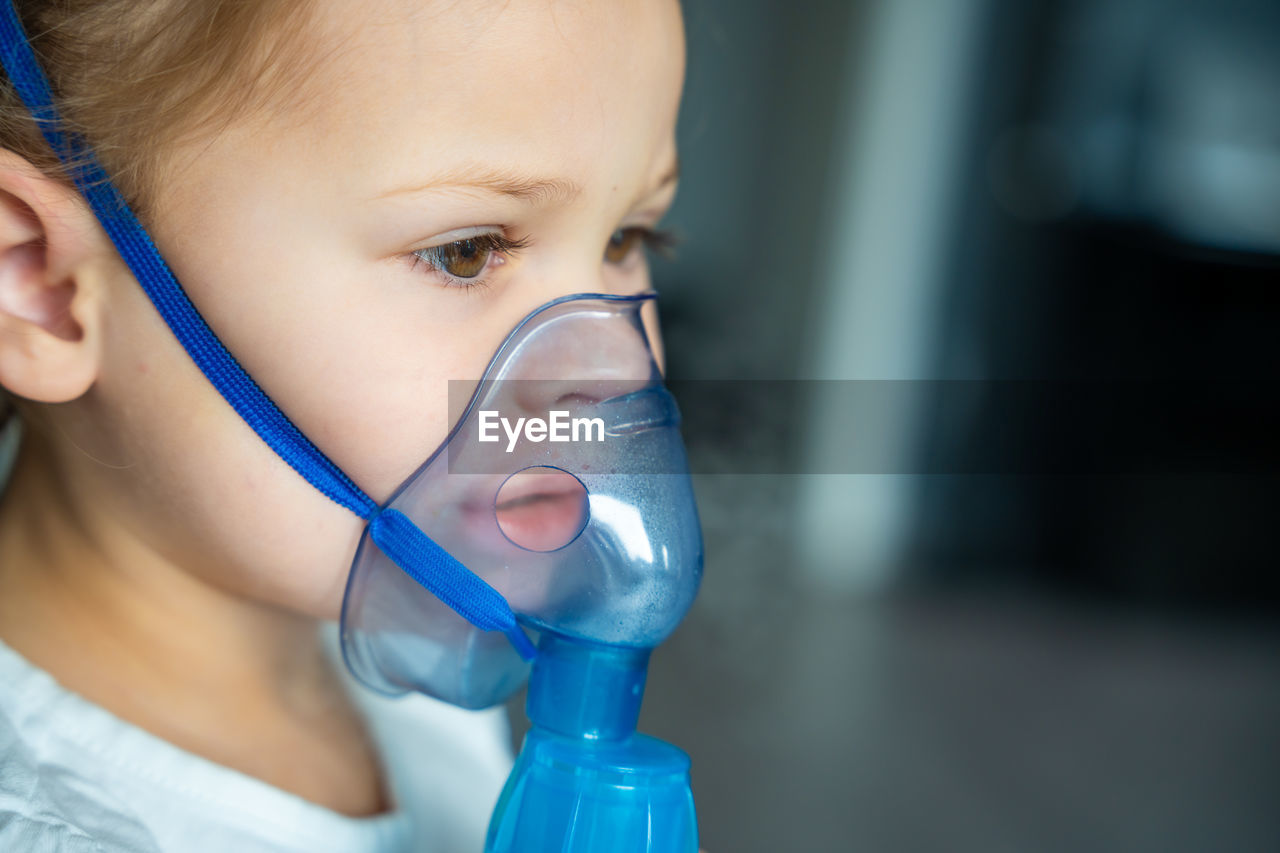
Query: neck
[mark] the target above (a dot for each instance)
(74, 587)
(115, 621)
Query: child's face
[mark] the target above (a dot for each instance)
(294, 234)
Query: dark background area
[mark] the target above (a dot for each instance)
(980, 190)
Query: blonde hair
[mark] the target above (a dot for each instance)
(135, 77)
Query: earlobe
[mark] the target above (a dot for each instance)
(49, 304)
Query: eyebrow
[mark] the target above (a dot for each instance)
(513, 185)
(502, 182)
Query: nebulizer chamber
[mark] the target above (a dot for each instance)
(595, 543)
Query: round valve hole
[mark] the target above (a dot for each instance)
(541, 508)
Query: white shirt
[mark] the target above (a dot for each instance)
(73, 777)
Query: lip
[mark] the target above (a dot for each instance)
(541, 509)
(543, 522)
(537, 481)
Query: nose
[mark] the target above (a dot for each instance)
(584, 351)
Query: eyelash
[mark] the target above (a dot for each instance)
(500, 247)
(660, 241)
(495, 245)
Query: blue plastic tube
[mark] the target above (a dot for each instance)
(585, 781)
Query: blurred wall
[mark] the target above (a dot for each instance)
(1040, 649)
(766, 90)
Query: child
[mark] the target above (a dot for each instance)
(361, 200)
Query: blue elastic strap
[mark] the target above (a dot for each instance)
(450, 581)
(419, 556)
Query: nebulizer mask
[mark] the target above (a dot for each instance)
(552, 536)
(571, 497)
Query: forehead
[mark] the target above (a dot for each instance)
(404, 88)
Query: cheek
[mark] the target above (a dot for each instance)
(192, 482)
(189, 481)
(358, 364)
(372, 398)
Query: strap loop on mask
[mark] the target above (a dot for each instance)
(446, 578)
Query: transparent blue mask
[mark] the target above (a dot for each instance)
(563, 486)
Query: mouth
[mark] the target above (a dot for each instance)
(541, 509)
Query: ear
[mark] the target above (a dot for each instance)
(52, 254)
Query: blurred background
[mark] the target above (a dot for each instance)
(934, 616)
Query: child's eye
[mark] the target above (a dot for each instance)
(625, 240)
(466, 259)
